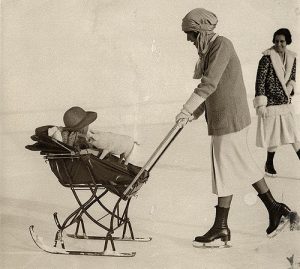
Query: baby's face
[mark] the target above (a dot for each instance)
(84, 130)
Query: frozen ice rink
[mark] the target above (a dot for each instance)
(172, 207)
(130, 62)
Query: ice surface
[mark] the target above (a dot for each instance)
(99, 53)
(172, 207)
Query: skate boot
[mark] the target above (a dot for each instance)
(298, 153)
(269, 166)
(278, 214)
(219, 230)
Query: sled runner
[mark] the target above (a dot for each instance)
(81, 170)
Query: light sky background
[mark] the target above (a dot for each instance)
(127, 60)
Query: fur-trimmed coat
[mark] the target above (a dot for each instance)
(275, 84)
(268, 85)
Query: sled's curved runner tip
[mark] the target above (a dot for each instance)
(55, 250)
(40, 243)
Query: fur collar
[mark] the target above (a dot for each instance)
(283, 70)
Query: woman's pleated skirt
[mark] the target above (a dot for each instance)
(232, 163)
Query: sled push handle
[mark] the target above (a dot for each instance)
(177, 128)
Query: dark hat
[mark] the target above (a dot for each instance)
(77, 118)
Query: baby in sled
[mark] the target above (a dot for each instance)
(76, 133)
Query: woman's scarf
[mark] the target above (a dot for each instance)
(199, 68)
(203, 22)
(283, 69)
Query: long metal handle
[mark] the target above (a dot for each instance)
(163, 151)
(177, 127)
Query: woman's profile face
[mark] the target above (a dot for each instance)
(280, 43)
(192, 37)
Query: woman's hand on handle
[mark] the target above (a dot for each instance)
(183, 118)
(187, 112)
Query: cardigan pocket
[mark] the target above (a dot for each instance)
(218, 120)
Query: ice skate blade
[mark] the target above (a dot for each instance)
(210, 245)
(270, 175)
(282, 225)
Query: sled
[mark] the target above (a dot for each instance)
(81, 170)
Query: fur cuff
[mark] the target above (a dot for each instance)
(260, 100)
(193, 103)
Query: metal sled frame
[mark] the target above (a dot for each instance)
(118, 215)
(118, 218)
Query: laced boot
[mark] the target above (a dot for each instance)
(219, 230)
(269, 166)
(276, 212)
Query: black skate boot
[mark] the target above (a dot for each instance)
(219, 230)
(298, 153)
(278, 214)
(269, 167)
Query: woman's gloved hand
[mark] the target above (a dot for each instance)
(187, 112)
(261, 111)
(183, 118)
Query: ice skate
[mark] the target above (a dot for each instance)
(269, 166)
(283, 224)
(270, 170)
(214, 238)
(213, 244)
(278, 214)
(218, 231)
(292, 219)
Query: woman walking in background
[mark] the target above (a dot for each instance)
(222, 94)
(275, 85)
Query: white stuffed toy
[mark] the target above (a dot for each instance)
(116, 144)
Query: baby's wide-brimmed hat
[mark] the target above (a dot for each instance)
(77, 118)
